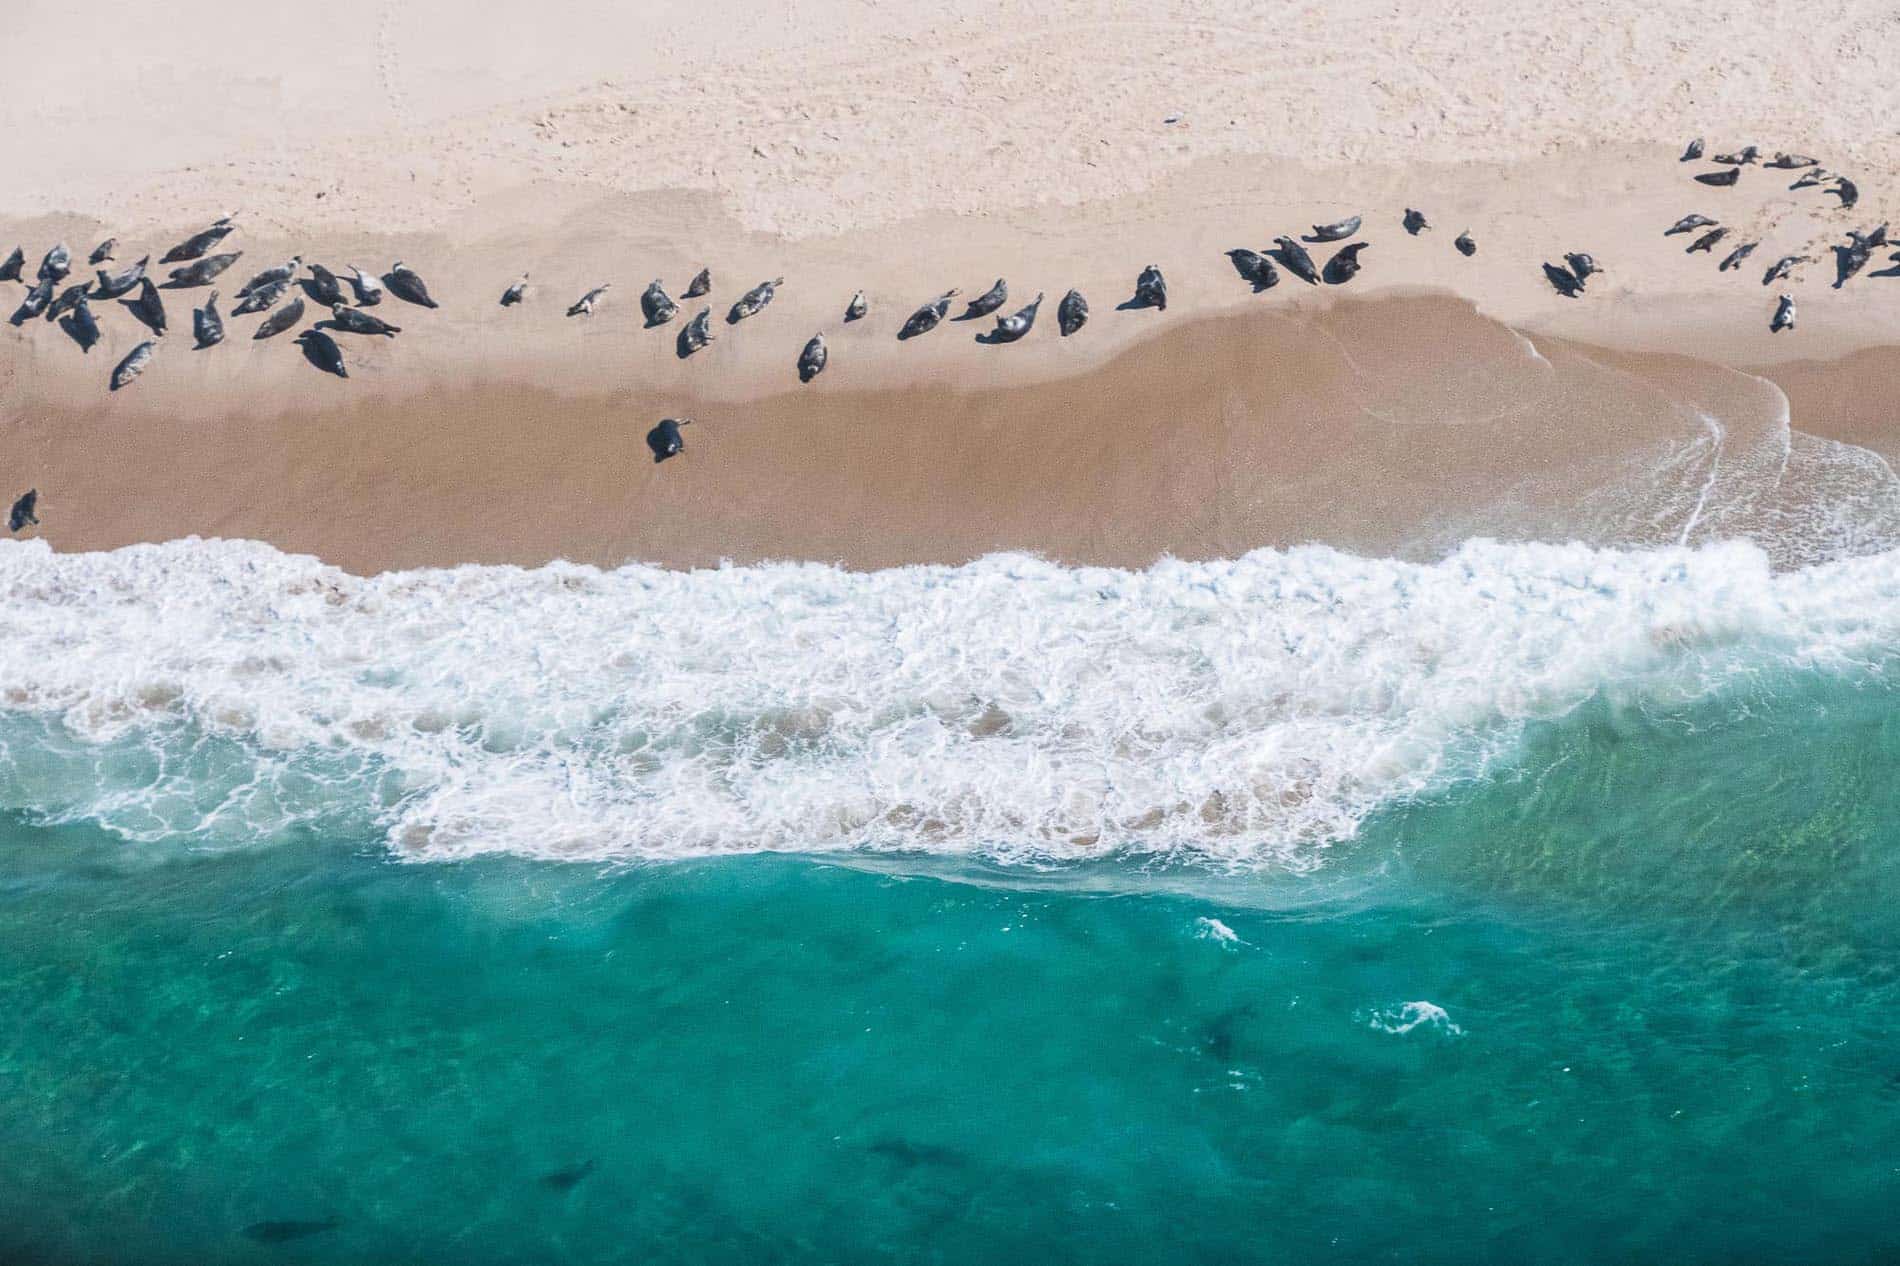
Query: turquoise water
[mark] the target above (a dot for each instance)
(1658, 944)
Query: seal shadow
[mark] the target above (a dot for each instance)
(1893, 271)
(996, 338)
(76, 334)
(654, 323)
(568, 1177)
(310, 355)
(909, 1155)
(1135, 304)
(283, 1232)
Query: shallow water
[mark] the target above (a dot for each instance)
(1613, 980)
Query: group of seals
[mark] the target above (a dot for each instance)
(266, 292)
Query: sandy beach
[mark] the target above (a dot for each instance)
(846, 147)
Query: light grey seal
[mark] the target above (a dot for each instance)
(36, 300)
(584, 306)
(1741, 159)
(405, 284)
(321, 350)
(201, 271)
(1784, 315)
(1344, 265)
(206, 324)
(149, 307)
(657, 305)
(696, 333)
(1072, 313)
(1014, 326)
(272, 276)
(855, 310)
(753, 301)
(1294, 259)
(1337, 231)
(665, 439)
(25, 511)
(515, 293)
(1688, 224)
(280, 320)
(925, 319)
(811, 361)
(987, 302)
(1788, 162)
(134, 364)
(1151, 289)
(357, 321)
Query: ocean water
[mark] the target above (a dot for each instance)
(1533, 905)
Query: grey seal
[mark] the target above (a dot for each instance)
(1746, 156)
(1707, 241)
(1254, 268)
(58, 263)
(112, 285)
(25, 511)
(696, 333)
(1720, 179)
(1337, 231)
(200, 272)
(699, 285)
(1846, 190)
(357, 321)
(198, 243)
(1693, 152)
(1784, 315)
(1735, 257)
(324, 287)
(37, 298)
(1788, 162)
(149, 307)
(206, 324)
(369, 290)
(1465, 245)
(1414, 222)
(15, 263)
(665, 439)
(1782, 267)
(102, 252)
(1688, 224)
(1014, 326)
(1583, 265)
(407, 285)
(1151, 289)
(261, 299)
(657, 306)
(281, 274)
(280, 320)
(68, 299)
(987, 302)
(515, 293)
(321, 350)
(925, 319)
(584, 306)
(1294, 259)
(1344, 265)
(811, 361)
(1072, 313)
(133, 365)
(753, 301)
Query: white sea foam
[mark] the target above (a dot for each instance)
(1408, 1016)
(1252, 710)
(1208, 929)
